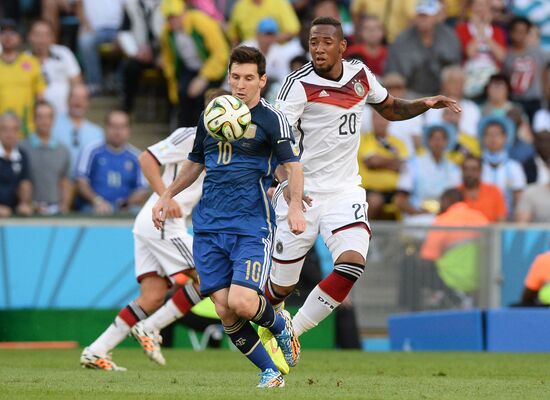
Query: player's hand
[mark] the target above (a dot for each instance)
(173, 210)
(443, 102)
(296, 220)
(102, 207)
(160, 210)
(306, 200)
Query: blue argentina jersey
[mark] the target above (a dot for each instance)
(114, 175)
(238, 174)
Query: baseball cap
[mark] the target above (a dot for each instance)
(9, 25)
(428, 7)
(267, 25)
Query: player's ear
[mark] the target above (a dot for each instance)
(343, 45)
(263, 81)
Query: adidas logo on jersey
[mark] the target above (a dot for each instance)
(323, 93)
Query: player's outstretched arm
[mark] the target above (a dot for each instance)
(296, 220)
(396, 109)
(189, 173)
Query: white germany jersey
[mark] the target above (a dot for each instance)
(326, 117)
(171, 152)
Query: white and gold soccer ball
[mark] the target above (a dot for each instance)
(226, 118)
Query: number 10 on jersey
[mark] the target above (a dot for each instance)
(225, 151)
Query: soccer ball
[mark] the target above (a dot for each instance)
(226, 118)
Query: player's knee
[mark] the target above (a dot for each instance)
(244, 306)
(282, 291)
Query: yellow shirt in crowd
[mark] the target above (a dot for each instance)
(381, 180)
(247, 13)
(20, 82)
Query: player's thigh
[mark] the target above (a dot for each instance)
(289, 249)
(344, 223)
(212, 262)
(145, 264)
(251, 260)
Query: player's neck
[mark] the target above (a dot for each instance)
(253, 103)
(335, 74)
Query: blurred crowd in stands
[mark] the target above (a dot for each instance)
(491, 55)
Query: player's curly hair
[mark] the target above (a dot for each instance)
(248, 55)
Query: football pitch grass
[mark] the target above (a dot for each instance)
(223, 374)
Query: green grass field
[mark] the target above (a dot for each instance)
(55, 374)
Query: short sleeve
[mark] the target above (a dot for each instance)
(25, 167)
(377, 93)
(291, 100)
(175, 148)
(281, 138)
(85, 161)
(66, 171)
(73, 69)
(197, 153)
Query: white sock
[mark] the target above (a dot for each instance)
(113, 335)
(316, 308)
(163, 317)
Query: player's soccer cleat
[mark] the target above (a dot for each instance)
(93, 361)
(270, 379)
(150, 342)
(288, 341)
(273, 349)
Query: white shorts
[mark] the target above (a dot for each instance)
(341, 219)
(162, 257)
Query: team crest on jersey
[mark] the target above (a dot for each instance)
(279, 247)
(250, 132)
(359, 89)
(295, 149)
(128, 166)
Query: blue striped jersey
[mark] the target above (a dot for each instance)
(238, 174)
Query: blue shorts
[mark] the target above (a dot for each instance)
(222, 259)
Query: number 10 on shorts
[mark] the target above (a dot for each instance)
(253, 270)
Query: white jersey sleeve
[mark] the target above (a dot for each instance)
(377, 93)
(175, 148)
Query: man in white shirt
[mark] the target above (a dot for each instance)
(59, 65)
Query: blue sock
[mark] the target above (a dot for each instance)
(245, 337)
(268, 318)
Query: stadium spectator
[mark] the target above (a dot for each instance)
(395, 15)
(53, 10)
(542, 158)
(525, 68)
(73, 129)
(537, 283)
(21, 81)
(139, 41)
(521, 149)
(465, 145)
(278, 56)
(456, 252)
(497, 94)
(109, 178)
(421, 52)
(452, 85)
(246, 15)
(381, 156)
(59, 66)
(497, 135)
(194, 58)
(408, 131)
(483, 47)
(213, 8)
(425, 177)
(481, 196)
(15, 182)
(368, 44)
(50, 164)
(100, 21)
(537, 12)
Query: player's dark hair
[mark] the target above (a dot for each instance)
(248, 55)
(330, 21)
(519, 20)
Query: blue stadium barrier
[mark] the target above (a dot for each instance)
(518, 330)
(437, 331)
